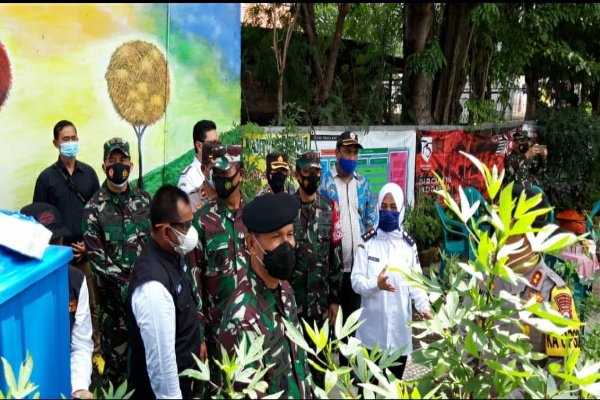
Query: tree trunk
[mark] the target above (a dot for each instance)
(281, 53)
(455, 41)
(531, 80)
(417, 87)
(324, 73)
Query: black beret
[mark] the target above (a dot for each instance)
(541, 220)
(270, 212)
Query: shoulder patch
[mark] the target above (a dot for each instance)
(186, 169)
(558, 281)
(408, 238)
(368, 235)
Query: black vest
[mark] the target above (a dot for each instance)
(155, 264)
(75, 280)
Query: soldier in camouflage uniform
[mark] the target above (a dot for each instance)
(206, 191)
(264, 298)
(525, 161)
(317, 279)
(221, 256)
(278, 171)
(115, 226)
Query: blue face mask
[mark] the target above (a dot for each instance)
(389, 220)
(348, 166)
(69, 149)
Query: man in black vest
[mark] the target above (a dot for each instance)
(82, 345)
(159, 291)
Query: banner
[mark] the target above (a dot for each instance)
(439, 152)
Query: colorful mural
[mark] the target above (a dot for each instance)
(144, 72)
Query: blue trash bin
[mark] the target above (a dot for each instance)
(34, 317)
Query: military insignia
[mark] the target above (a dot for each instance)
(228, 185)
(526, 329)
(373, 258)
(125, 174)
(280, 159)
(408, 238)
(352, 135)
(538, 296)
(72, 305)
(536, 278)
(46, 218)
(368, 235)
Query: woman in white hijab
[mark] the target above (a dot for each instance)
(386, 295)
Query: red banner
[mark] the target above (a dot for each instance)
(439, 152)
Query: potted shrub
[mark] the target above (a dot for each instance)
(422, 222)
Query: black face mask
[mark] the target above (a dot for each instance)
(280, 262)
(277, 181)
(224, 186)
(524, 147)
(118, 173)
(310, 184)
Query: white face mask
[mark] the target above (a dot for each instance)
(186, 242)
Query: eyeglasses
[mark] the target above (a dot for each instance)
(185, 225)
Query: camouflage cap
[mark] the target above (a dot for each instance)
(212, 151)
(232, 154)
(116, 144)
(520, 135)
(309, 159)
(277, 160)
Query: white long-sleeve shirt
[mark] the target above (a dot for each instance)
(387, 313)
(154, 311)
(82, 345)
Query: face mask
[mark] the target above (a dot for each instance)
(389, 220)
(69, 149)
(310, 183)
(279, 262)
(118, 174)
(224, 186)
(524, 147)
(277, 181)
(348, 166)
(186, 242)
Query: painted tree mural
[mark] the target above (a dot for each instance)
(5, 75)
(138, 86)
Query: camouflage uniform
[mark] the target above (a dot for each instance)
(115, 227)
(221, 261)
(522, 169)
(255, 310)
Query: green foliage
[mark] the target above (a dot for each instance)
(482, 111)
(590, 344)
(573, 140)
(429, 62)
(422, 222)
(23, 387)
(473, 359)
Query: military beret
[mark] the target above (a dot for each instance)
(277, 160)
(309, 159)
(541, 220)
(270, 212)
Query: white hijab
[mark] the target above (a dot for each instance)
(398, 196)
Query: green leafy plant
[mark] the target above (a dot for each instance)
(473, 359)
(590, 344)
(422, 222)
(23, 387)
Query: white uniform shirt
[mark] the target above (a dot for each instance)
(154, 311)
(191, 177)
(349, 218)
(82, 345)
(387, 313)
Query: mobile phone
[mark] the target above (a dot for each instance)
(542, 147)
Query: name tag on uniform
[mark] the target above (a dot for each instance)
(373, 258)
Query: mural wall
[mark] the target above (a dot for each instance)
(144, 72)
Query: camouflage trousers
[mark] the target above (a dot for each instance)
(113, 345)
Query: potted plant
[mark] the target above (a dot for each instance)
(422, 222)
